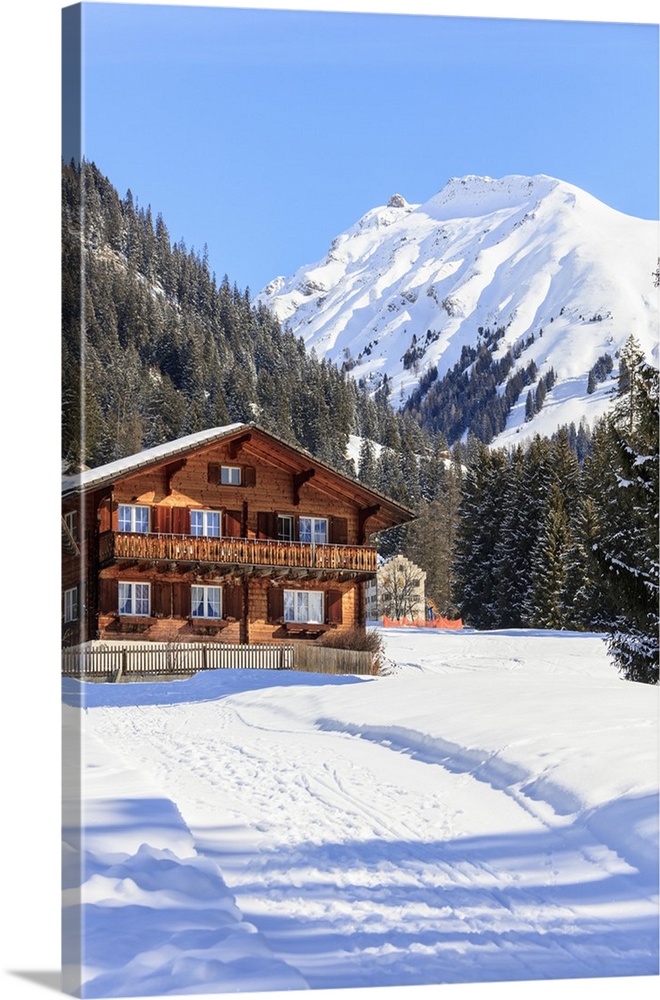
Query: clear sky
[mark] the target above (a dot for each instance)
(265, 133)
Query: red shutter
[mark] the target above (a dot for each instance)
(161, 520)
(232, 602)
(161, 599)
(232, 524)
(339, 530)
(108, 596)
(180, 600)
(275, 604)
(180, 520)
(333, 607)
(105, 516)
(266, 524)
(249, 475)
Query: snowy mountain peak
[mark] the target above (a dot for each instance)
(561, 277)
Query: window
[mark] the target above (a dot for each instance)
(284, 528)
(205, 522)
(71, 605)
(71, 519)
(303, 606)
(135, 519)
(134, 599)
(205, 602)
(313, 529)
(230, 475)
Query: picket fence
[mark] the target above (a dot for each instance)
(116, 663)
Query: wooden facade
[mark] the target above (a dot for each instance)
(230, 535)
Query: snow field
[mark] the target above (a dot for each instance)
(486, 812)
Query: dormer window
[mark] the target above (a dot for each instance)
(132, 518)
(230, 475)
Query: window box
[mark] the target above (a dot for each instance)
(134, 623)
(207, 626)
(305, 628)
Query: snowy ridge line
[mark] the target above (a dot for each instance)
(402, 291)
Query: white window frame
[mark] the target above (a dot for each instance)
(297, 606)
(314, 524)
(135, 527)
(204, 598)
(71, 520)
(205, 532)
(288, 534)
(230, 475)
(135, 598)
(71, 605)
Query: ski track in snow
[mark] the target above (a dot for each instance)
(377, 855)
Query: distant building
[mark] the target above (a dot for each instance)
(399, 590)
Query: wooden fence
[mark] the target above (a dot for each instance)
(114, 663)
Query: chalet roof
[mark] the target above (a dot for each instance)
(112, 471)
(105, 475)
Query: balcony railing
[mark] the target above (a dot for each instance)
(236, 551)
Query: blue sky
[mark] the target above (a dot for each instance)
(265, 133)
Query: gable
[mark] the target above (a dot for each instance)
(192, 468)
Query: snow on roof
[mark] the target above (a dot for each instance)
(131, 463)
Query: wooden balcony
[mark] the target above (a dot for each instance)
(249, 553)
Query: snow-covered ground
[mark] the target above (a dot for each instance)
(486, 811)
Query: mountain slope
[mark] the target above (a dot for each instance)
(405, 289)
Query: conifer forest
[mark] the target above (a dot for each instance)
(561, 533)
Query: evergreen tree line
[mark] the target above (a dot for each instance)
(154, 348)
(544, 541)
(468, 398)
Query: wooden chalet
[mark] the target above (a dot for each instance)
(229, 534)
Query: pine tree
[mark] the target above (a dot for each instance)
(548, 568)
(626, 449)
(475, 564)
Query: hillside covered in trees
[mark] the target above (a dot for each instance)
(155, 348)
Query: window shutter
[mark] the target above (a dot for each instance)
(181, 520)
(232, 602)
(161, 599)
(232, 524)
(248, 475)
(266, 524)
(213, 474)
(275, 604)
(180, 600)
(161, 520)
(108, 596)
(105, 517)
(333, 607)
(339, 530)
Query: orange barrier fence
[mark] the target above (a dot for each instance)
(437, 622)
